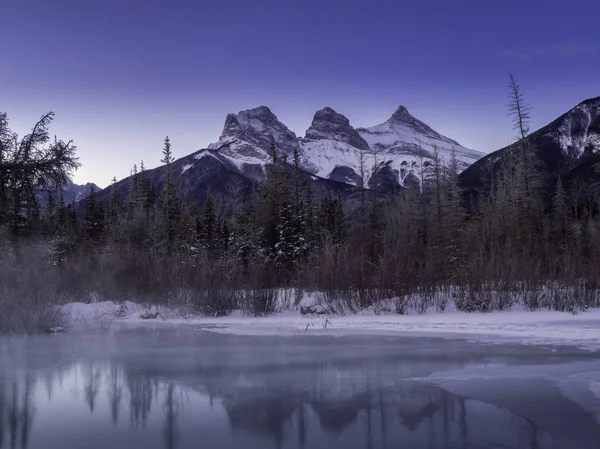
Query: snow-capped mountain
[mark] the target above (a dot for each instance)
(407, 141)
(70, 193)
(333, 149)
(331, 152)
(579, 131)
(246, 139)
(74, 192)
(568, 147)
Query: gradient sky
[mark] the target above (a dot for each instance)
(123, 74)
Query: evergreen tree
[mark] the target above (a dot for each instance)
(94, 216)
(170, 194)
(50, 216)
(113, 202)
(61, 214)
(272, 200)
(146, 192)
(559, 212)
(210, 221)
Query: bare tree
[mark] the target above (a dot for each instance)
(31, 166)
(518, 108)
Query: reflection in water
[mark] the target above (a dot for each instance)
(324, 406)
(16, 413)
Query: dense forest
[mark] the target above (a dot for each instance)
(419, 248)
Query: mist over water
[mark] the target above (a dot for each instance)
(180, 389)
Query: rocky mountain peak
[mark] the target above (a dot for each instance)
(401, 115)
(329, 124)
(578, 131)
(248, 134)
(260, 118)
(404, 118)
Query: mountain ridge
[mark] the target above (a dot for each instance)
(332, 148)
(568, 147)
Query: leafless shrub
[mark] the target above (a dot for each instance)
(215, 302)
(259, 301)
(29, 300)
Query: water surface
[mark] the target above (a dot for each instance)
(188, 388)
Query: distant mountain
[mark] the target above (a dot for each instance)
(330, 153)
(332, 148)
(568, 147)
(74, 192)
(71, 193)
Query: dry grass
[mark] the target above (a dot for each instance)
(29, 299)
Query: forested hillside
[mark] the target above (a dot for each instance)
(517, 243)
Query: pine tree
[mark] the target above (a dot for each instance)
(170, 194)
(73, 224)
(146, 192)
(559, 212)
(308, 215)
(210, 222)
(272, 200)
(297, 182)
(61, 214)
(340, 219)
(454, 218)
(94, 216)
(50, 217)
(113, 203)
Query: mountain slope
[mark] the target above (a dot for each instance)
(405, 141)
(568, 147)
(246, 139)
(330, 152)
(74, 192)
(403, 145)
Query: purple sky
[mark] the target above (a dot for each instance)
(122, 74)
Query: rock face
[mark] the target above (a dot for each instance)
(568, 147)
(393, 155)
(70, 193)
(402, 147)
(332, 149)
(409, 145)
(327, 124)
(73, 192)
(247, 136)
(333, 154)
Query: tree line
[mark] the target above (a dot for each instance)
(419, 248)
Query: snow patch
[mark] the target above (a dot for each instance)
(542, 327)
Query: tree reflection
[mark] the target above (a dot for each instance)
(170, 408)
(290, 408)
(141, 393)
(92, 386)
(115, 393)
(16, 413)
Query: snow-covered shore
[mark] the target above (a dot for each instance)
(540, 327)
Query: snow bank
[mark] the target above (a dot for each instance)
(541, 327)
(581, 330)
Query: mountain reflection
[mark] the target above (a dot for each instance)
(326, 405)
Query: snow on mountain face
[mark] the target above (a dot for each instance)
(329, 125)
(409, 145)
(73, 192)
(579, 132)
(247, 136)
(333, 149)
(403, 144)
